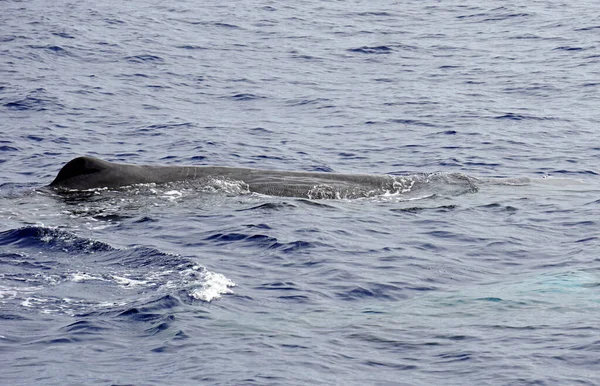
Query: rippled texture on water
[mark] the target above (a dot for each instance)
(178, 284)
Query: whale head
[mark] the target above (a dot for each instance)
(84, 173)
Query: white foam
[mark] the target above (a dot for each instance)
(227, 186)
(82, 276)
(402, 184)
(200, 283)
(7, 293)
(112, 304)
(195, 280)
(213, 286)
(172, 195)
(33, 302)
(127, 282)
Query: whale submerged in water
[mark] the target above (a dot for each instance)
(83, 173)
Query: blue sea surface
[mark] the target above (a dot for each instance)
(180, 284)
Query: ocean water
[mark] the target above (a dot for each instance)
(180, 284)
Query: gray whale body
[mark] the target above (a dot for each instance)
(83, 173)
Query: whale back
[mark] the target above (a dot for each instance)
(88, 173)
(75, 169)
(78, 167)
(85, 173)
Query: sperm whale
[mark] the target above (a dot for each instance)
(83, 173)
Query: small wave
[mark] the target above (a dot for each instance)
(37, 100)
(144, 58)
(8, 38)
(82, 292)
(254, 240)
(373, 290)
(198, 282)
(568, 48)
(244, 97)
(418, 209)
(260, 241)
(374, 13)
(192, 47)
(226, 25)
(213, 286)
(269, 206)
(588, 28)
(520, 117)
(307, 101)
(488, 17)
(54, 49)
(372, 50)
(51, 238)
(413, 122)
(37, 275)
(63, 34)
(15, 190)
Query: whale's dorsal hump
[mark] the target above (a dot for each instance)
(77, 167)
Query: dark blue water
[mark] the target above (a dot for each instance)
(180, 284)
